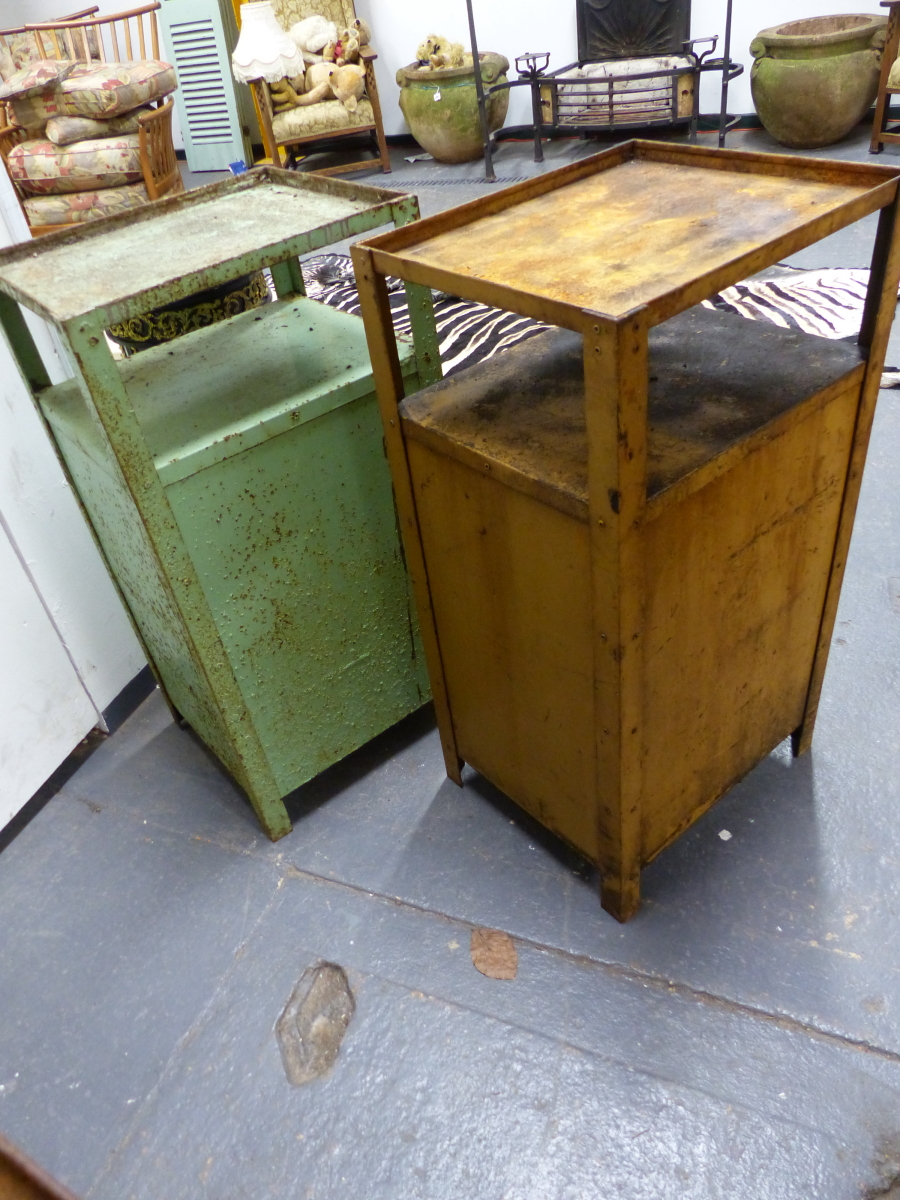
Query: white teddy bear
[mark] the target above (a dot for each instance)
(312, 35)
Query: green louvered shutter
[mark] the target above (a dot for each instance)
(194, 39)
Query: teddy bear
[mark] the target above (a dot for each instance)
(297, 92)
(360, 29)
(348, 83)
(347, 48)
(344, 50)
(313, 35)
(320, 41)
(319, 73)
(437, 53)
(349, 44)
(345, 83)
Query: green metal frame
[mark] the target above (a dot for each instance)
(151, 533)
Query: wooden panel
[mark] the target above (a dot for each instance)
(735, 564)
(876, 328)
(628, 236)
(376, 309)
(736, 582)
(510, 580)
(22, 1179)
(673, 541)
(827, 170)
(615, 364)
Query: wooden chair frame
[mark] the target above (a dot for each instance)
(881, 132)
(157, 151)
(22, 1179)
(367, 57)
(120, 37)
(81, 15)
(159, 166)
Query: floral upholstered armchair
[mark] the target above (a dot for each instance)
(86, 134)
(329, 118)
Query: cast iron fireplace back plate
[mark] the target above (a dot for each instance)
(631, 28)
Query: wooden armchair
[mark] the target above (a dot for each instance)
(19, 43)
(159, 166)
(887, 87)
(85, 37)
(329, 119)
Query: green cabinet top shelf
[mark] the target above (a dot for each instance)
(127, 264)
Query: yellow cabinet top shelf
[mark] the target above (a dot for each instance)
(640, 224)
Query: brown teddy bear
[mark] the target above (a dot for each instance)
(345, 83)
(361, 31)
(438, 52)
(348, 84)
(297, 92)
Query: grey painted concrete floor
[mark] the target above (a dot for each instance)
(739, 1038)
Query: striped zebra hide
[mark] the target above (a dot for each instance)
(827, 303)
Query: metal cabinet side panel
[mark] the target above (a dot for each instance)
(296, 547)
(143, 583)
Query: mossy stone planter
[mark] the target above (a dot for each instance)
(813, 80)
(441, 107)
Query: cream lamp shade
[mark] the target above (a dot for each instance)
(264, 50)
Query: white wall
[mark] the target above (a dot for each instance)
(66, 646)
(511, 29)
(399, 26)
(44, 710)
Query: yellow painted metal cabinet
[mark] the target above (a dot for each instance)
(628, 534)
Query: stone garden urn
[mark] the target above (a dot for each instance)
(441, 107)
(813, 80)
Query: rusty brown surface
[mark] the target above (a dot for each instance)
(639, 224)
(714, 379)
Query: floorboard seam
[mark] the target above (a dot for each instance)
(660, 982)
(563, 1041)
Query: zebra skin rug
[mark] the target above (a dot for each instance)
(827, 303)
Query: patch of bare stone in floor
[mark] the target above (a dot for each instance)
(312, 1026)
(887, 1167)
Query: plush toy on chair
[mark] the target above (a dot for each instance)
(320, 34)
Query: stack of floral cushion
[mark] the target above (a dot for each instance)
(81, 158)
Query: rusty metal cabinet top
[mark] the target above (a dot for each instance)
(642, 224)
(126, 264)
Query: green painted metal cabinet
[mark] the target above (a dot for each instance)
(235, 478)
